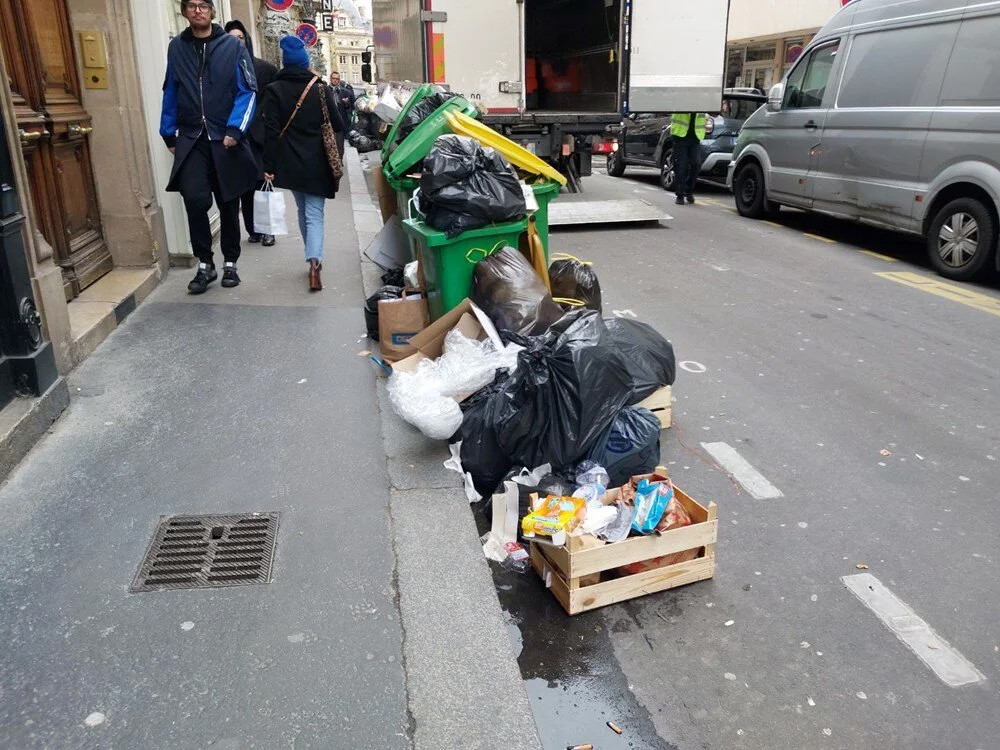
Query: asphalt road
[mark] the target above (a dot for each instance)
(864, 388)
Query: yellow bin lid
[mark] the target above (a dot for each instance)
(517, 155)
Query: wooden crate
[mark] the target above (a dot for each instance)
(661, 404)
(574, 573)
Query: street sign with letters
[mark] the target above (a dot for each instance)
(328, 22)
(328, 6)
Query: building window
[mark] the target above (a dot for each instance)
(734, 67)
(343, 59)
(354, 59)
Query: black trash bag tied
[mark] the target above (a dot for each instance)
(574, 283)
(465, 186)
(568, 388)
(421, 111)
(481, 454)
(648, 355)
(508, 289)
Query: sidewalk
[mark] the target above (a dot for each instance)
(250, 399)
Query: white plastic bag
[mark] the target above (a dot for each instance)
(426, 396)
(269, 211)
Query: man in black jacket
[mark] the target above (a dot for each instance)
(345, 105)
(209, 99)
(265, 73)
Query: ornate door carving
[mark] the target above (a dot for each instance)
(55, 128)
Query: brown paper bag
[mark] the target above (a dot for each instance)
(399, 320)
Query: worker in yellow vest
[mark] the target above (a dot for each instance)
(687, 130)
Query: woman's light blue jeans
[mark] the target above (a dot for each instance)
(311, 209)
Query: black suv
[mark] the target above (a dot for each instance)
(644, 139)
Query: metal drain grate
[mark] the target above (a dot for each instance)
(194, 552)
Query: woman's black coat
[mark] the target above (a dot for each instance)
(298, 160)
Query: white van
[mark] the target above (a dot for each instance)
(890, 117)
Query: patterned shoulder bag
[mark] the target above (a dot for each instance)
(329, 137)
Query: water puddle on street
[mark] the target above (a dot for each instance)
(573, 680)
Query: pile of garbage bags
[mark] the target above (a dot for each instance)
(563, 390)
(571, 398)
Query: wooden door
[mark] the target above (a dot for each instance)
(55, 128)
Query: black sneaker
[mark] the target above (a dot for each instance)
(254, 238)
(206, 275)
(680, 200)
(268, 240)
(229, 276)
(690, 199)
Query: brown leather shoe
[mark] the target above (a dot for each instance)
(315, 282)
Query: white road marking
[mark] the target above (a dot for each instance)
(750, 479)
(690, 365)
(947, 663)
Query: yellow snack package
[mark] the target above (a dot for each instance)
(554, 515)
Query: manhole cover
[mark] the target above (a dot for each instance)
(194, 552)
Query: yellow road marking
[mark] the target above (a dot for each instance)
(710, 202)
(872, 253)
(732, 211)
(981, 302)
(774, 224)
(821, 239)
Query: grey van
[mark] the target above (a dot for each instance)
(890, 117)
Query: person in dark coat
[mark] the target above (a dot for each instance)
(265, 72)
(294, 155)
(345, 102)
(209, 99)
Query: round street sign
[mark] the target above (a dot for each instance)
(279, 5)
(308, 34)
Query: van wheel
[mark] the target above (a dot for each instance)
(962, 239)
(616, 163)
(668, 175)
(748, 188)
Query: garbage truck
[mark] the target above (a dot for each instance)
(557, 76)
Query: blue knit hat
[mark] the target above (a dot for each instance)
(293, 52)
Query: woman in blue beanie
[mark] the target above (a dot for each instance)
(294, 155)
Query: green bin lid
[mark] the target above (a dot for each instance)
(419, 143)
(419, 94)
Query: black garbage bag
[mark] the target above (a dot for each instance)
(481, 453)
(573, 279)
(465, 186)
(421, 111)
(569, 386)
(371, 307)
(631, 446)
(394, 277)
(507, 288)
(649, 356)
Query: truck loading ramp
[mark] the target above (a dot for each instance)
(568, 212)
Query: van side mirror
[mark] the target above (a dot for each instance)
(366, 57)
(366, 73)
(775, 97)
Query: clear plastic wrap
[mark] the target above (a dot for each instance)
(426, 396)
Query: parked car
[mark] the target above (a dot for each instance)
(864, 128)
(644, 140)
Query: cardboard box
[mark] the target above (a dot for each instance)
(468, 319)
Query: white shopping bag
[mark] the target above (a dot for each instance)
(269, 211)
